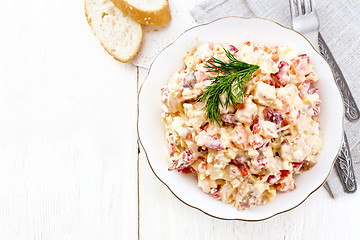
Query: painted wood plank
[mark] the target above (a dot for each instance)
(68, 143)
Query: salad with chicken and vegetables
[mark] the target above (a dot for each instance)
(244, 119)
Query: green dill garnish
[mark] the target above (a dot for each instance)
(231, 80)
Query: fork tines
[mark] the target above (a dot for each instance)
(301, 7)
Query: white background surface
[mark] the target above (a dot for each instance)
(69, 162)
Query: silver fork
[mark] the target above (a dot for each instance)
(306, 22)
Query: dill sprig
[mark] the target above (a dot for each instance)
(219, 66)
(231, 80)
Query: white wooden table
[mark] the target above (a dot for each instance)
(70, 163)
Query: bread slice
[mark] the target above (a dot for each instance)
(119, 34)
(146, 12)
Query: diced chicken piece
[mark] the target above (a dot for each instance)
(311, 99)
(205, 51)
(189, 94)
(191, 61)
(178, 124)
(268, 129)
(286, 53)
(264, 94)
(202, 167)
(185, 132)
(232, 171)
(221, 160)
(292, 117)
(190, 111)
(201, 76)
(211, 129)
(226, 138)
(206, 184)
(231, 153)
(212, 142)
(296, 152)
(285, 152)
(267, 196)
(171, 99)
(189, 80)
(300, 151)
(245, 202)
(311, 128)
(298, 155)
(292, 103)
(246, 114)
(240, 137)
(258, 188)
(225, 192)
(216, 172)
(235, 183)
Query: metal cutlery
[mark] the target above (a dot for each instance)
(351, 110)
(306, 21)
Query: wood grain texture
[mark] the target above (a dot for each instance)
(68, 147)
(68, 128)
(319, 217)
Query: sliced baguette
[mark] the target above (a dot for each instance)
(119, 34)
(146, 12)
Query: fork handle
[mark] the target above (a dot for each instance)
(351, 110)
(344, 168)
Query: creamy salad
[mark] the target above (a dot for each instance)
(260, 145)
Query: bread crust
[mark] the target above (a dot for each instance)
(108, 51)
(155, 18)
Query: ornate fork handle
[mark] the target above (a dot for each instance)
(345, 169)
(351, 110)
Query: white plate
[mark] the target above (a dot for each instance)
(236, 30)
